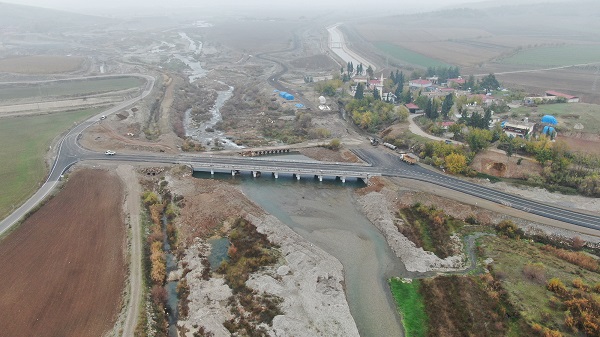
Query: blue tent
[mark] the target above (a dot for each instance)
(289, 97)
(549, 120)
(283, 93)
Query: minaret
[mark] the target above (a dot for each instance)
(381, 87)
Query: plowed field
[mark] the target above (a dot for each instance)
(63, 270)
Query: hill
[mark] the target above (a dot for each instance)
(39, 20)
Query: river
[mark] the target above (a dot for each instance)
(326, 215)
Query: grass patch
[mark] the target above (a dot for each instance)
(555, 56)
(568, 115)
(492, 179)
(534, 302)
(25, 141)
(68, 88)
(430, 229)
(410, 305)
(409, 56)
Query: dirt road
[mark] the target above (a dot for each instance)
(132, 209)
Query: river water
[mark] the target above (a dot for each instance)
(326, 215)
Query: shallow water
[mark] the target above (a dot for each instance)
(324, 213)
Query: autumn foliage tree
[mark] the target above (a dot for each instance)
(456, 163)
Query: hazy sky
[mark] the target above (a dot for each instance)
(79, 5)
(132, 8)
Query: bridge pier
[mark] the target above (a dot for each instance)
(297, 176)
(212, 172)
(276, 175)
(343, 179)
(232, 173)
(321, 178)
(254, 174)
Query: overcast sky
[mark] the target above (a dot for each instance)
(86, 6)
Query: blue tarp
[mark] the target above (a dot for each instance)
(548, 130)
(299, 106)
(288, 97)
(549, 120)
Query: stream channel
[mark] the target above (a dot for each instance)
(326, 214)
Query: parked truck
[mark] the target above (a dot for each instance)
(409, 158)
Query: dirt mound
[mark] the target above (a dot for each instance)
(499, 168)
(63, 269)
(497, 164)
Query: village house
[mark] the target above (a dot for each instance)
(569, 98)
(420, 83)
(519, 129)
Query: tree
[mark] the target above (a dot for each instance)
(407, 97)
(376, 94)
(447, 105)
(421, 101)
(478, 139)
(398, 91)
(456, 163)
(359, 94)
(510, 149)
(489, 83)
(370, 71)
(456, 129)
(335, 144)
(470, 83)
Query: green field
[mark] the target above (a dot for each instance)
(409, 56)
(25, 141)
(567, 114)
(68, 88)
(410, 305)
(555, 56)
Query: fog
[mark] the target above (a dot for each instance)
(145, 7)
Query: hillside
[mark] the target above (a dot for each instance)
(38, 20)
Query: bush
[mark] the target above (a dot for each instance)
(535, 272)
(509, 229)
(577, 258)
(555, 285)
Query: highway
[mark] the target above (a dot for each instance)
(69, 153)
(380, 163)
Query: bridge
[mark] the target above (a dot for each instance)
(296, 168)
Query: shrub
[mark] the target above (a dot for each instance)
(509, 229)
(578, 283)
(577, 258)
(535, 272)
(158, 295)
(555, 285)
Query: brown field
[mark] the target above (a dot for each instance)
(40, 64)
(63, 269)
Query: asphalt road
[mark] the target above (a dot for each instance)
(381, 163)
(69, 153)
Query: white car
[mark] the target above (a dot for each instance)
(102, 117)
(109, 153)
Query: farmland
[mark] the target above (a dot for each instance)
(40, 64)
(25, 140)
(555, 56)
(68, 88)
(63, 269)
(409, 56)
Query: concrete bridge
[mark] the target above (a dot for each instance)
(301, 170)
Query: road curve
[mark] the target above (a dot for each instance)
(69, 152)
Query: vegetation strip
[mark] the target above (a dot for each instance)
(411, 307)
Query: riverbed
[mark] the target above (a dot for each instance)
(326, 215)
